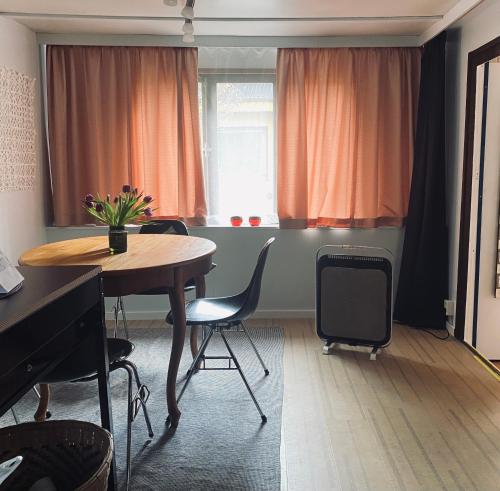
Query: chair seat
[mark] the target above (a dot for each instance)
(211, 311)
(83, 363)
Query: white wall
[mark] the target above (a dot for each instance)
(480, 26)
(22, 222)
(289, 280)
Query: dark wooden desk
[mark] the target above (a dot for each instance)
(56, 310)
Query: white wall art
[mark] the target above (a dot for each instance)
(17, 131)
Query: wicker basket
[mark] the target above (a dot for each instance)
(76, 455)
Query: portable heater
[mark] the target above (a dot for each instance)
(354, 296)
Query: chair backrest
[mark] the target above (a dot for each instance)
(175, 227)
(250, 297)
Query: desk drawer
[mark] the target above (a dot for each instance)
(18, 379)
(27, 339)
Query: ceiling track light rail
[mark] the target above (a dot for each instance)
(188, 13)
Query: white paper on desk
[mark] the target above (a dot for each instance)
(10, 277)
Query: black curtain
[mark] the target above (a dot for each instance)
(423, 279)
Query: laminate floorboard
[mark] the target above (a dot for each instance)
(424, 416)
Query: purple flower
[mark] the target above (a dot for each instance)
(89, 204)
(89, 197)
(126, 188)
(148, 212)
(99, 207)
(147, 199)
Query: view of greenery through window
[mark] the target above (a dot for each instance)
(237, 118)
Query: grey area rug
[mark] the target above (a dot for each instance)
(220, 443)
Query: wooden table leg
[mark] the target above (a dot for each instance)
(199, 281)
(177, 304)
(43, 403)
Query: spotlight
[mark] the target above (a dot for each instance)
(188, 12)
(188, 27)
(170, 3)
(188, 38)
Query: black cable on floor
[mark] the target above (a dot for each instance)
(436, 336)
(428, 331)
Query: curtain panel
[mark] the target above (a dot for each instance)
(124, 115)
(346, 128)
(423, 277)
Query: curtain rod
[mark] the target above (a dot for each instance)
(87, 39)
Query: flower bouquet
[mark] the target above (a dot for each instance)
(127, 207)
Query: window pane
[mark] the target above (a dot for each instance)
(245, 151)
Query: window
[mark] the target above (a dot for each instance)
(237, 126)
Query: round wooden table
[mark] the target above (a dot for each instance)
(151, 261)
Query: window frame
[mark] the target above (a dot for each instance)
(208, 119)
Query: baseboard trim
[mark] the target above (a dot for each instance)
(490, 367)
(140, 315)
(451, 328)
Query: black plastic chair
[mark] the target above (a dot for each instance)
(175, 227)
(225, 314)
(81, 367)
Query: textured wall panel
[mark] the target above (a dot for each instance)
(17, 131)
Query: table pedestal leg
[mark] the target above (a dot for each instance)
(177, 304)
(200, 293)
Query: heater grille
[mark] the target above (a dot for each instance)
(354, 299)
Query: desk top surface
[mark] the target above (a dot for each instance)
(144, 252)
(41, 287)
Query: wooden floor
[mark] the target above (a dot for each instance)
(424, 416)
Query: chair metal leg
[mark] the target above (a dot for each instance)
(266, 371)
(116, 308)
(191, 370)
(130, 418)
(143, 403)
(124, 318)
(262, 415)
(14, 415)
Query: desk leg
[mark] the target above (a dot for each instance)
(103, 383)
(200, 293)
(177, 304)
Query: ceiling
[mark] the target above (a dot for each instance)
(239, 17)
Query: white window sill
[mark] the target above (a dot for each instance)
(137, 227)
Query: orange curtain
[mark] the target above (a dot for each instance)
(346, 126)
(124, 115)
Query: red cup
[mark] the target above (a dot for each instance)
(236, 221)
(254, 221)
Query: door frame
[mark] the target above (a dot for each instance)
(477, 57)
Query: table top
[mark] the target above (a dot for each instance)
(144, 252)
(41, 287)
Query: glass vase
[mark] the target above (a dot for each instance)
(117, 240)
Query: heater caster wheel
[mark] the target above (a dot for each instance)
(328, 348)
